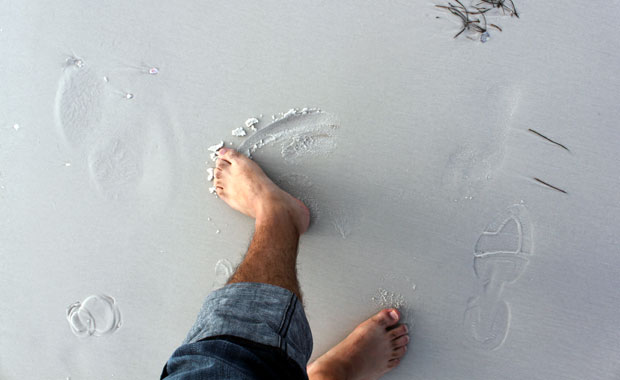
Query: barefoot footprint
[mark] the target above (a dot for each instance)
(129, 156)
(78, 105)
(473, 163)
(114, 168)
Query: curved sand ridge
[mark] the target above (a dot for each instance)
(300, 133)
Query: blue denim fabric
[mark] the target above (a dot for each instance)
(245, 331)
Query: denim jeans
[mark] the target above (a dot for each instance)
(245, 331)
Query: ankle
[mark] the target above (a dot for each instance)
(323, 369)
(275, 214)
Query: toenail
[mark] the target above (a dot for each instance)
(394, 315)
(222, 151)
(406, 328)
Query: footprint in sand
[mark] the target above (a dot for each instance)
(488, 324)
(467, 168)
(78, 104)
(500, 257)
(476, 161)
(155, 135)
(223, 271)
(115, 168)
(138, 164)
(130, 155)
(96, 315)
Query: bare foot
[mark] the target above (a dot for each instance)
(243, 185)
(370, 351)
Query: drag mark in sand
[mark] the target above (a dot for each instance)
(300, 132)
(307, 143)
(216, 230)
(343, 222)
(341, 225)
(78, 103)
(500, 257)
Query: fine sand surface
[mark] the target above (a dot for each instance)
(412, 149)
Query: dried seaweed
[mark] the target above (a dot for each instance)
(507, 6)
(547, 138)
(548, 185)
(473, 18)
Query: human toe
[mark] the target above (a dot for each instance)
(218, 182)
(398, 331)
(386, 317)
(222, 164)
(399, 352)
(400, 342)
(228, 154)
(219, 174)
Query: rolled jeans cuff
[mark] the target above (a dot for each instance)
(261, 313)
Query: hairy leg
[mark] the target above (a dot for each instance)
(272, 255)
(279, 221)
(376, 345)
